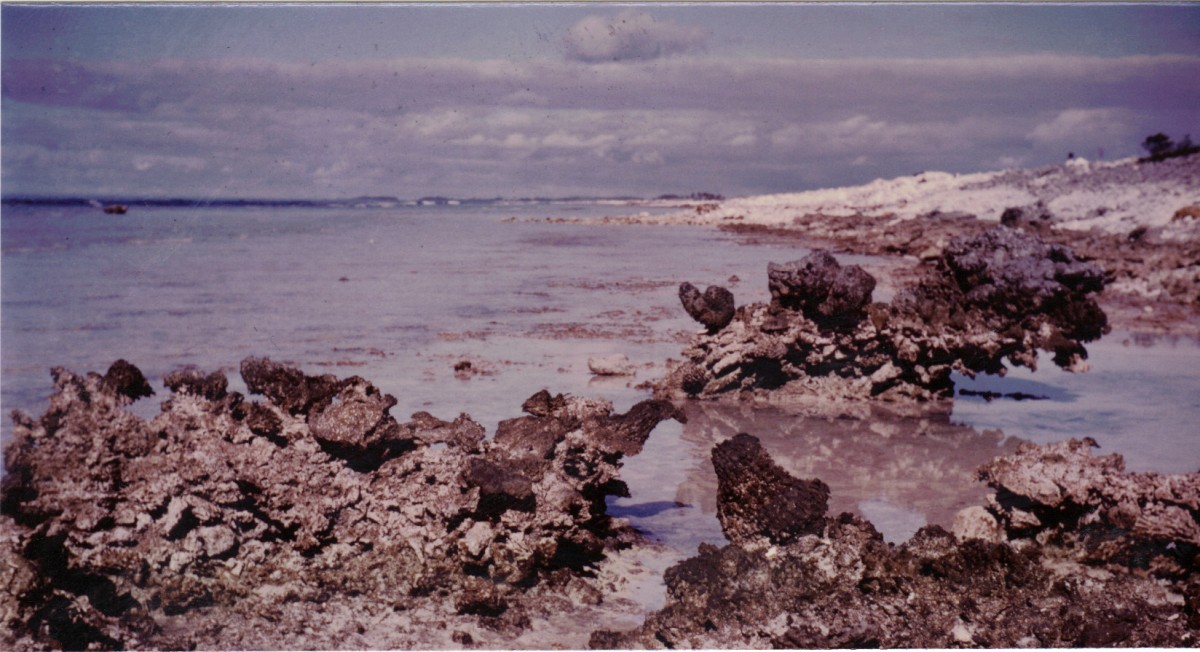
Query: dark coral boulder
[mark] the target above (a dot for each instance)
(1016, 273)
(288, 387)
(822, 288)
(213, 386)
(757, 498)
(715, 308)
(127, 380)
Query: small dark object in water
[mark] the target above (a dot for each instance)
(116, 209)
(463, 366)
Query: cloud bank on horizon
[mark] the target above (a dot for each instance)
(406, 101)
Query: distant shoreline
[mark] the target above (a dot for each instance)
(353, 202)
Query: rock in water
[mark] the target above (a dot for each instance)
(847, 588)
(715, 308)
(757, 498)
(611, 365)
(987, 300)
(1142, 519)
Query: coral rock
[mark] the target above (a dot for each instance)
(611, 365)
(845, 587)
(207, 525)
(286, 386)
(715, 308)
(127, 380)
(821, 288)
(755, 497)
(992, 299)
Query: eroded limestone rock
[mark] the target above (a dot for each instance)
(714, 308)
(219, 519)
(756, 498)
(835, 583)
(1063, 493)
(611, 365)
(989, 300)
(821, 288)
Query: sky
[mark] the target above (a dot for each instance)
(337, 101)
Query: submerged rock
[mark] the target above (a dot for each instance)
(988, 300)
(221, 518)
(834, 583)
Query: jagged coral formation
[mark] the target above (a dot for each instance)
(222, 509)
(995, 298)
(832, 582)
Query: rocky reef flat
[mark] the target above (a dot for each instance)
(303, 514)
(1138, 220)
(311, 518)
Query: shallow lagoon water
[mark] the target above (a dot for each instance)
(399, 296)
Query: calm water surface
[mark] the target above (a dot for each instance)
(399, 296)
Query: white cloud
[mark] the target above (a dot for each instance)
(413, 127)
(143, 163)
(631, 35)
(1075, 125)
(788, 136)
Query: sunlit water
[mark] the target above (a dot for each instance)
(400, 296)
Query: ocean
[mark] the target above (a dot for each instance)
(401, 295)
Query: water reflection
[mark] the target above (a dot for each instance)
(1141, 399)
(900, 472)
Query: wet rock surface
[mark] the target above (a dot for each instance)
(865, 454)
(837, 584)
(989, 300)
(302, 520)
(1064, 494)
